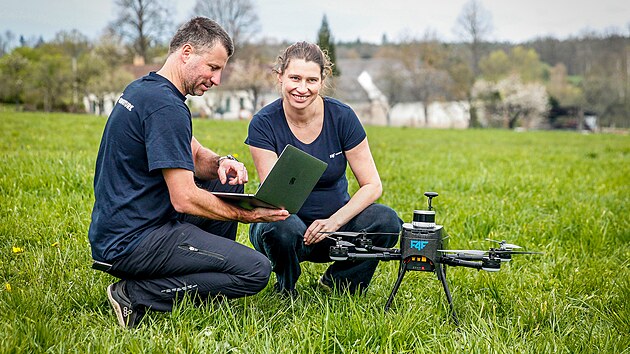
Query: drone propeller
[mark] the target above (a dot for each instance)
(471, 252)
(504, 245)
(355, 234)
(515, 252)
(492, 250)
(341, 242)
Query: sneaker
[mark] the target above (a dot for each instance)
(285, 293)
(128, 317)
(326, 283)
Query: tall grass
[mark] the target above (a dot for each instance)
(562, 193)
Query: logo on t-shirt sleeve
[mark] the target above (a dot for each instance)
(123, 102)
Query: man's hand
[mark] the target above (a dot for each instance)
(314, 232)
(232, 171)
(267, 215)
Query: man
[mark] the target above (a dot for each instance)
(152, 225)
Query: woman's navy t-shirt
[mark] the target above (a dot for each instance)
(341, 132)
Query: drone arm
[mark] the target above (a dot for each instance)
(383, 256)
(383, 249)
(454, 262)
(468, 257)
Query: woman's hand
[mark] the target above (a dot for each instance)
(314, 232)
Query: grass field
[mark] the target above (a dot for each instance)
(561, 193)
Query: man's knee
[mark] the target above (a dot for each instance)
(260, 271)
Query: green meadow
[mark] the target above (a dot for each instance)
(562, 193)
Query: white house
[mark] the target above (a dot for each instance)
(356, 87)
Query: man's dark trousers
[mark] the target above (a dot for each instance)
(192, 255)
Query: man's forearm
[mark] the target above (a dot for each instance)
(206, 164)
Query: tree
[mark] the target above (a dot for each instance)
(392, 81)
(110, 48)
(143, 23)
(415, 71)
(423, 60)
(50, 78)
(104, 80)
(495, 66)
(326, 43)
(561, 89)
(74, 44)
(6, 42)
(606, 80)
(13, 73)
(474, 24)
(511, 87)
(252, 76)
(520, 60)
(510, 101)
(237, 17)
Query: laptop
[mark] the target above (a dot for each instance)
(288, 184)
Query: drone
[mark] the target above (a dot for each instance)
(422, 248)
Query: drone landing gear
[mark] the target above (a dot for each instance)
(441, 274)
(401, 273)
(440, 270)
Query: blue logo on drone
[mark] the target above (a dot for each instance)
(419, 245)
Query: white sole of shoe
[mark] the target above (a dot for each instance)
(116, 306)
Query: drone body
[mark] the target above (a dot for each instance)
(419, 247)
(422, 249)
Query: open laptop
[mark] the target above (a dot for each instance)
(288, 184)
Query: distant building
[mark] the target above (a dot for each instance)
(358, 87)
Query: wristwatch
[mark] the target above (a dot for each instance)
(226, 157)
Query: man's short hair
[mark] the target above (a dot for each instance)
(202, 33)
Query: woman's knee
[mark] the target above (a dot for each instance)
(384, 218)
(284, 233)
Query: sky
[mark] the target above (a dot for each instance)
(513, 21)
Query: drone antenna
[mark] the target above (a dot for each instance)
(430, 195)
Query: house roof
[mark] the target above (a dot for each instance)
(347, 87)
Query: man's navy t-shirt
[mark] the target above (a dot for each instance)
(341, 132)
(150, 128)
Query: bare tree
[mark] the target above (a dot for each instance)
(414, 72)
(237, 17)
(429, 85)
(6, 42)
(474, 24)
(74, 44)
(429, 82)
(392, 78)
(143, 23)
(252, 76)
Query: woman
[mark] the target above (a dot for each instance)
(330, 131)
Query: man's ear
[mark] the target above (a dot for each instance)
(187, 51)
